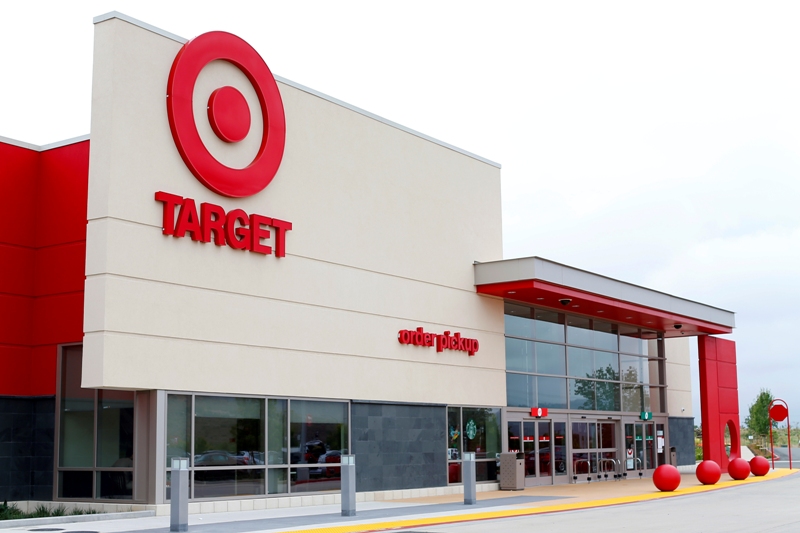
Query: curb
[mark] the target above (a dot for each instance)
(69, 519)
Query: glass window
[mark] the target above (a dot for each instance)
(579, 331)
(548, 325)
(608, 435)
(228, 431)
(277, 413)
(519, 355)
(518, 322)
(592, 435)
(115, 485)
(454, 433)
(607, 396)
(115, 429)
(632, 399)
(520, 390)
(634, 369)
(179, 426)
(604, 335)
(606, 365)
(552, 393)
(581, 362)
(550, 359)
(75, 483)
(317, 428)
(77, 419)
(481, 431)
(277, 481)
(514, 437)
(581, 394)
(629, 340)
(580, 435)
(221, 483)
(315, 479)
(486, 471)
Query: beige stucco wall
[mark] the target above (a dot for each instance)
(679, 377)
(386, 228)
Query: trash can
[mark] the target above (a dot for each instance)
(512, 471)
(673, 456)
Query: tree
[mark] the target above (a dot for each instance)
(758, 420)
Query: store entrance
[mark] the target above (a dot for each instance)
(544, 444)
(644, 447)
(594, 451)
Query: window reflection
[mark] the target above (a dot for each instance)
(115, 429)
(552, 393)
(579, 331)
(228, 431)
(581, 394)
(604, 335)
(550, 359)
(519, 355)
(548, 325)
(222, 483)
(520, 390)
(318, 430)
(481, 431)
(179, 426)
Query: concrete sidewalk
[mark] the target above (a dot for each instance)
(420, 512)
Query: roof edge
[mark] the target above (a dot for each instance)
(44, 147)
(522, 273)
(121, 16)
(136, 22)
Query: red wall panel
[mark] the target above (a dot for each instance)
(42, 262)
(15, 362)
(58, 319)
(18, 170)
(16, 270)
(16, 327)
(42, 378)
(62, 195)
(60, 269)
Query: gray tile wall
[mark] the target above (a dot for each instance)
(26, 448)
(681, 436)
(399, 446)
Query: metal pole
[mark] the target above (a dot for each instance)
(348, 485)
(179, 495)
(468, 475)
(771, 444)
(789, 430)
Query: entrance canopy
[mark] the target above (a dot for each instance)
(543, 283)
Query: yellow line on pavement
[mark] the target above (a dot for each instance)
(527, 511)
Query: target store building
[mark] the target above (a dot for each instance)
(238, 270)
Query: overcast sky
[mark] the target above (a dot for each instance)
(656, 143)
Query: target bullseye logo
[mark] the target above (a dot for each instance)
(228, 114)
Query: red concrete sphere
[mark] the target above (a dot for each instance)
(759, 466)
(739, 469)
(666, 478)
(708, 472)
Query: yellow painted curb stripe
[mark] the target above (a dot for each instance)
(510, 513)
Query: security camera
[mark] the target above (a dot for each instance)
(677, 326)
(565, 301)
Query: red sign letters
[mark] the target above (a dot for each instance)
(443, 342)
(236, 228)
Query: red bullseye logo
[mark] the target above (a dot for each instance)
(228, 114)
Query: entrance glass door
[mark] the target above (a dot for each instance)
(543, 443)
(594, 450)
(640, 447)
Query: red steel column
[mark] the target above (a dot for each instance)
(719, 399)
